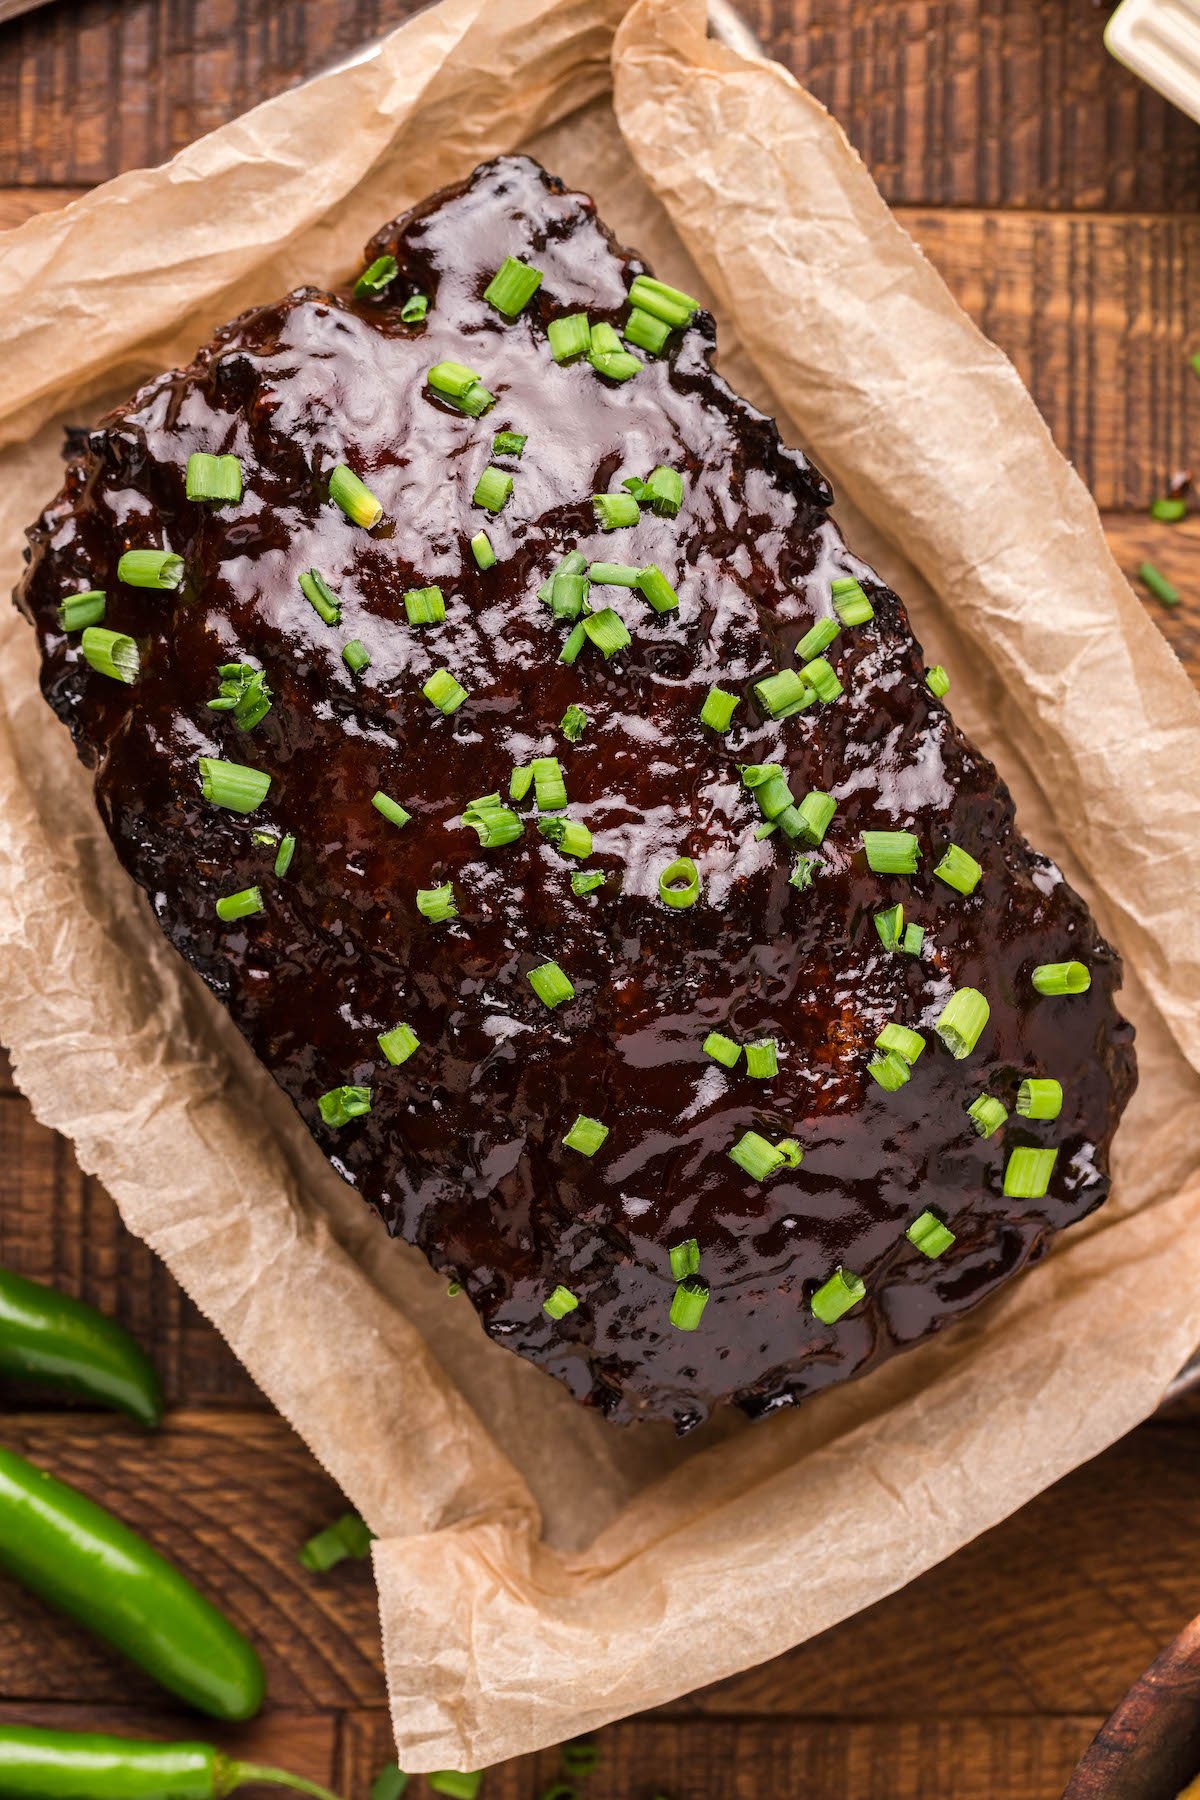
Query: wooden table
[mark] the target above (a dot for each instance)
(1062, 202)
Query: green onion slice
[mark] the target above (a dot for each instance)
(891, 852)
(817, 639)
(111, 653)
(615, 511)
(791, 1152)
(602, 574)
(607, 356)
(437, 903)
(914, 938)
(962, 1020)
(390, 809)
(653, 586)
(586, 1135)
(959, 870)
(1027, 1173)
(549, 788)
(77, 610)
(341, 1104)
(376, 276)
(495, 823)
(232, 785)
(662, 492)
(550, 985)
(492, 489)
(987, 1114)
(586, 881)
(722, 1049)
(803, 870)
(355, 656)
(816, 812)
(284, 855)
(607, 631)
(1154, 579)
(849, 601)
(782, 695)
(573, 644)
(569, 836)
(937, 680)
(1039, 1097)
(928, 1235)
(757, 1155)
(669, 304)
(906, 1043)
(561, 1302)
(569, 337)
(573, 723)
(890, 926)
(679, 883)
(509, 443)
(822, 678)
(1168, 509)
(444, 691)
(452, 1782)
(354, 497)
(647, 332)
(718, 709)
(762, 1059)
(348, 1536)
(424, 606)
(1062, 978)
(391, 1780)
(512, 287)
(321, 597)
(837, 1295)
(217, 478)
(398, 1044)
(414, 309)
(150, 569)
(891, 1071)
(460, 387)
(481, 550)
(242, 691)
(241, 905)
(689, 1302)
(685, 1259)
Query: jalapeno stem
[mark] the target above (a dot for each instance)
(230, 1775)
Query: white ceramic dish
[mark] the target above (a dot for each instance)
(1160, 41)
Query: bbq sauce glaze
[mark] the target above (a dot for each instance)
(462, 1150)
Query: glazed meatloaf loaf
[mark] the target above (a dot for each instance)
(493, 716)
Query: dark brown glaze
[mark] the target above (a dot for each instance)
(462, 1152)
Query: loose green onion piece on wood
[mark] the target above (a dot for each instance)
(492, 489)
(569, 337)
(647, 332)
(512, 287)
(586, 881)
(689, 1302)
(398, 1044)
(481, 550)
(987, 1114)
(890, 925)
(679, 883)
(437, 903)
(615, 511)
(816, 812)
(586, 1135)
(284, 855)
(1039, 1097)
(217, 478)
(662, 492)
(321, 597)
(376, 276)
(550, 985)
(355, 656)
(341, 1104)
(232, 785)
(509, 443)
(150, 569)
(444, 691)
(348, 1536)
(549, 788)
(414, 309)
(607, 631)
(424, 606)
(836, 1296)
(242, 691)
(1027, 1173)
(722, 1049)
(354, 497)
(110, 653)
(822, 678)
(1062, 978)
(241, 905)
(561, 1302)
(1159, 586)
(762, 1059)
(891, 852)
(602, 574)
(849, 601)
(569, 836)
(914, 938)
(654, 587)
(453, 1782)
(906, 1043)
(937, 680)
(669, 304)
(962, 1021)
(390, 1782)
(928, 1235)
(77, 610)
(817, 639)
(573, 723)
(718, 709)
(685, 1259)
(891, 1071)
(1168, 510)
(782, 695)
(958, 869)
(391, 809)
(757, 1155)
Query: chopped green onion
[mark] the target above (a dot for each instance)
(891, 852)
(679, 883)
(689, 1302)
(928, 1235)
(550, 985)
(849, 601)
(150, 569)
(987, 1114)
(561, 1302)
(572, 644)
(722, 1049)
(354, 497)
(509, 443)
(355, 656)
(654, 587)
(962, 1020)
(816, 811)
(549, 788)
(615, 511)
(602, 574)
(444, 692)
(1168, 510)
(492, 489)
(232, 785)
(481, 550)
(512, 287)
(891, 1071)
(424, 606)
(110, 653)
(569, 836)
(573, 723)
(662, 492)
(685, 1259)
(1151, 578)
(803, 870)
(242, 691)
(495, 823)
(376, 276)
(284, 855)
(906, 1043)
(461, 387)
(321, 597)
(568, 589)
(890, 924)
(1039, 1098)
(437, 903)
(452, 1781)
(718, 709)
(569, 337)
(783, 694)
(241, 905)
(398, 1044)
(791, 1152)
(959, 870)
(1027, 1173)
(822, 678)
(914, 938)
(217, 478)
(762, 1059)
(837, 1295)
(662, 302)
(607, 631)
(348, 1536)
(77, 610)
(757, 1155)
(1062, 978)
(414, 309)
(391, 1780)
(586, 1135)
(341, 1104)
(391, 809)
(647, 332)
(608, 358)
(520, 781)
(937, 680)
(586, 881)
(816, 639)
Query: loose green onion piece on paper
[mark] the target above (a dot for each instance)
(390, 809)
(891, 1071)
(1062, 978)
(492, 489)
(569, 836)
(803, 870)
(782, 695)
(669, 304)
(242, 691)
(572, 644)
(891, 852)
(424, 606)
(905, 1042)
(512, 287)
(823, 679)
(348, 1536)
(321, 597)
(414, 309)
(354, 497)
(615, 511)
(561, 1302)
(607, 356)
(586, 1135)
(481, 550)
(376, 276)
(284, 855)
(689, 1302)
(398, 1044)
(454, 1782)
(77, 610)
(850, 603)
(444, 691)
(110, 653)
(937, 681)
(654, 587)
(718, 709)
(1157, 583)
(602, 574)
(928, 1235)
(355, 656)
(962, 1021)
(549, 788)
(232, 785)
(216, 478)
(816, 812)
(958, 869)
(647, 332)
(150, 569)
(914, 938)
(495, 823)
(550, 985)
(1027, 1173)
(890, 925)
(685, 1259)
(437, 903)
(573, 723)
(389, 1784)
(762, 1059)
(569, 337)
(987, 1114)
(607, 631)
(1168, 510)
(586, 881)
(1039, 1097)
(241, 905)
(836, 1296)
(679, 883)
(757, 1155)
(341, 1104)
(509, 443)
(722, 1049)
(662, 492)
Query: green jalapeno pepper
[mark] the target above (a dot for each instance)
(81, 1765)
(53, 1338)
(81, 1559)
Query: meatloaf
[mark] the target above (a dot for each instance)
(492, 714)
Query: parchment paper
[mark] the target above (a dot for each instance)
(541, 1573)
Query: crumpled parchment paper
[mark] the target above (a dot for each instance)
(540, 1573)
